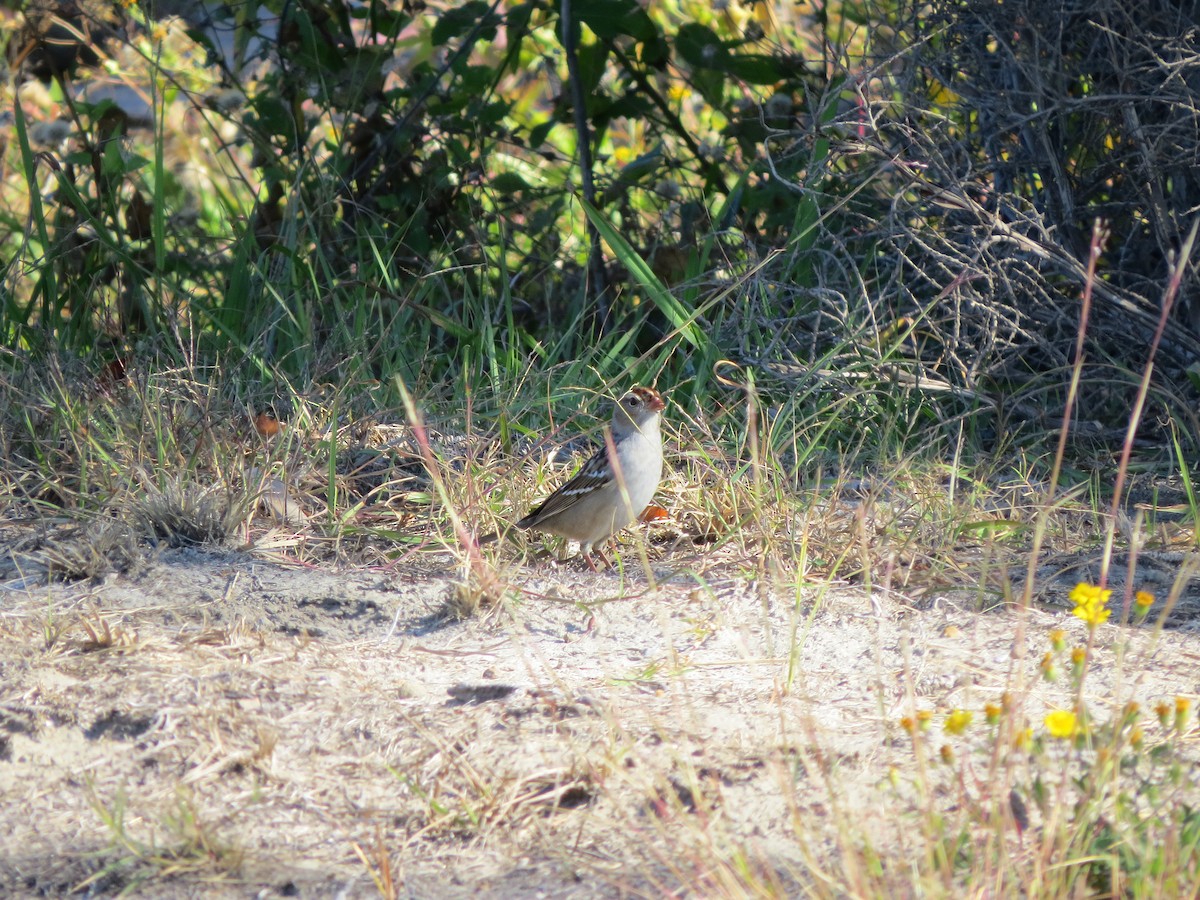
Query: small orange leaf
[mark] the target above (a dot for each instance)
(653, 513)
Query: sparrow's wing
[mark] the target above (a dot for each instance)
(592, 476)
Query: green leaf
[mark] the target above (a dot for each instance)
(517, 21)
(539, 133)
(655, 53)
(592, 61)
(755, 69)
(700, 48)
(389, 23)
(273, 116)
(629, 106)
(458, 20)
(648, 163)
(1193, 374)
(681, 320)
(509, 183)
(711, 86)
(611, 19)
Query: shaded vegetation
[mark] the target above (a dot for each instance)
(854, 198)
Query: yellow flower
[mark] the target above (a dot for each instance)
(1091, 603)
(1182, 705)
(957, 721)
(924, 717)
(1022, 738)
(1162, 709)
(1136, 737)
(1084, 593)
(947, 754)
(1144, 599)
(1093, 615)
(1061, 724)
(1058, 639)
(992, 713)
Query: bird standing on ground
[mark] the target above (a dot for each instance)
(615, 485)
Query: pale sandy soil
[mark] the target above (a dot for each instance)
(244, 724)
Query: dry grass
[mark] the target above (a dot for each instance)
(760, 701)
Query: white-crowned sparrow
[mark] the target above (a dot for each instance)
(608, 493)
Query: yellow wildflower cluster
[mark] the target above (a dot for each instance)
(1062, 724)
(957, 721)
(1091, 603)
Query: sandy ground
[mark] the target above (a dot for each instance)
(224, 725)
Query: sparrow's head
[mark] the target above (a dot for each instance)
(639, 406)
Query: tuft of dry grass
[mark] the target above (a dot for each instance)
(93, 550)
(182, 514)
(187, 847)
